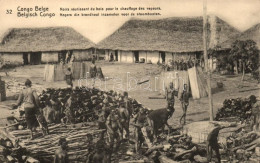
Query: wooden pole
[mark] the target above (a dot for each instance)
(206, 58)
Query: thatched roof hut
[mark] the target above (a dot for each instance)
(175, 34)
(43, 39)
(252, 33)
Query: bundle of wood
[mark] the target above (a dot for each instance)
(240, 109)
(43, 148)
(13, 152)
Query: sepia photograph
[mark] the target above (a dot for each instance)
(130, 81)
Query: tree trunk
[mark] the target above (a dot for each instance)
(243, 75)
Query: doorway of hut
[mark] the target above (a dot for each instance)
(25, 59)
(136, 56)
(116, 55)
(62, 56)
(35, 58)
(162, 54)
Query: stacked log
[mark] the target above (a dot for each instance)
(239, 109)
(43, 148)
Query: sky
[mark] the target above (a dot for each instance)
(241, 14)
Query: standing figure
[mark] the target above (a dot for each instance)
(31, 103)
(170, 92)
(111, 59)
(255, 122)
(212, 143)
(113, 126)
(93, 69)
(49, 112)
(69, 116)
(69, 78)
(101, 155)
(103, 118)
(61, 155)
(184, 103)
(140, 121)
(124, 120)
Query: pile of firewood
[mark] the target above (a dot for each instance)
(43, 148)
(242, 146)
(87, 102)
(239, 109)
(13, 152)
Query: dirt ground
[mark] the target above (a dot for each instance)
(121, 76)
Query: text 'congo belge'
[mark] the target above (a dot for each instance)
(34, 12)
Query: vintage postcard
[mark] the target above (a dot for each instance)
(129, 81)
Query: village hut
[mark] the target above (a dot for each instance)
(252, 33)
(163, 40)
(44, 45)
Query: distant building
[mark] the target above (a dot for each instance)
(44, 45)
(164, 39)
(252, 33)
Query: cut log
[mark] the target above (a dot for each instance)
(153, 148)
(200, 159)
(179, 155)
(257, 141)
(164, 159)
(32, 160)
(133, 161)
(251, 148)
(150, 97)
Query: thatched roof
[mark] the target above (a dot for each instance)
(252, 33)
(43, 39)
(171, 34)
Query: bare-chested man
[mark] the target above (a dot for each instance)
(113, 127)
(61, 155)
(124, 120)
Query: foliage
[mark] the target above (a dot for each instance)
(247, 52)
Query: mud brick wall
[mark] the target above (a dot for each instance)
(12, 58)
(49, 57)
(82, 55)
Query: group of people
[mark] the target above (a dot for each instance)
(114, 121)
(181, 65)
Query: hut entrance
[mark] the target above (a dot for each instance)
(162, 54)
(116, 55)
(62, 56)
(68, 56)
(136, 55)
(35, 58)
(25, 59)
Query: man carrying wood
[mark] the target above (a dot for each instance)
(184, 102)
(113, 125)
